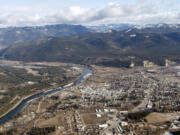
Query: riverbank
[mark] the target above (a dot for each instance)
(24, 98)
(17, 108)
(9, 110)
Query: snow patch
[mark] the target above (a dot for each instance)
(132, 35)
(18, 32)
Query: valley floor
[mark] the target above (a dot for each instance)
(111, 101)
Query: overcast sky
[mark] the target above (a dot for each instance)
(88, 12)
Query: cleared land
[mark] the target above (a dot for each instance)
(154, 118)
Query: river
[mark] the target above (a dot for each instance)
(20, 106)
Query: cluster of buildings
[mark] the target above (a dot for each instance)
(103, 102)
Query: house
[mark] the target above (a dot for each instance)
(98, 115)
(103, 126)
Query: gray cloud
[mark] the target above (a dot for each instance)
(140, 12)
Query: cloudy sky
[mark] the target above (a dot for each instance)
(88, 12)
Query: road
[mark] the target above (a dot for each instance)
(145, 101)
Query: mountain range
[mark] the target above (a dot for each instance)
(79, 44)
(15, 35)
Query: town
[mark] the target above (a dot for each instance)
(110, 101)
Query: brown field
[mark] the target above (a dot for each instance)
(89, 110)
(49, 122)
(1, 96)
(161, 117)
(48, 63)
(91, 119)
(29, 69)
(10, 62)
(59, 120)
(31, 108)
